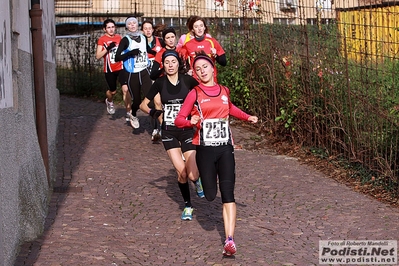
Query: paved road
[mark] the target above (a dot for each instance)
(116, 202)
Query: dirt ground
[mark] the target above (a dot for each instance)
(329, 166)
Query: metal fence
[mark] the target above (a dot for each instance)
(323, 74)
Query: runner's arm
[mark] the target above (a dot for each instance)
(188, 104)
(156, 70)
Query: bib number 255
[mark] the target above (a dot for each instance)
(216, 130)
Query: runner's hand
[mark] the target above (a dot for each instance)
(253, 119)
(110, 46)
(133, 52)
(155, 113)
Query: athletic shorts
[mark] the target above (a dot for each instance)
(111, 78)
(178, 139)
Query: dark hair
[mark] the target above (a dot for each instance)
(183, 65)
(147, 21)
(195, 19)
(189, 19)
(108, 20)
(168, 30)
(158, 29)
(171, 53)
(202, 55)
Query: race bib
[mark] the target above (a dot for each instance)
(141, 60)
(112, 55)
(215, 131)
(170, 113)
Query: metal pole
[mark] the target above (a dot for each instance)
(38, 72)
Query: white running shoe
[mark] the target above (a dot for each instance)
(110, 107)
(134, 121)
(155, 136)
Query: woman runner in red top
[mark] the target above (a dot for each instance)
(201, 42)
(169, 38)
(210, 107)
(156, 44)
(106, 49)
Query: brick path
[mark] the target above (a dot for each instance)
(116, 202)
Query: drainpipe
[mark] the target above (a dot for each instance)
(35, 15)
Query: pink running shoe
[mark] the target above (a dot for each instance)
(229, 247)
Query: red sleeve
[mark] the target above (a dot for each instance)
(235, 111)
(183, 52)
(158, 57)
(219, 48)
(188, 104)
(100, 41)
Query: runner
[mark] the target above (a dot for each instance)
(169, 38)
(156, 44)
(201, 42)
(133, 50)
(173, 88)
(106, 49)
(210, 107)
(188, 36)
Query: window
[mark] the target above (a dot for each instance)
(287, 5)
(284, 21)
(173, 4)
(73, 3)
(323, 5)
(6, 86)
(216, 4)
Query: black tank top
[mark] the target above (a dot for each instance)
(172, 99)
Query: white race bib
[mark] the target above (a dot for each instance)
(112, 55)
(170, 113)
(141, 61)
(215, 131)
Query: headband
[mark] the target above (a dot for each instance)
(207, 58)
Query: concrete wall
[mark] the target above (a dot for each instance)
(24, 189)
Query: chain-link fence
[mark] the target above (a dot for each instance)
(322, 73)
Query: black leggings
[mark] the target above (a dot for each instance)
(111, 78)
(217, 162)
(137, 83)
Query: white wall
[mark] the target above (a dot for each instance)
(24, 189)
(5, 58)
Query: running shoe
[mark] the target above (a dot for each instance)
(198, 188)
(229, 248)
(127, 116)
(134, 121)
(187, 213)
(110, 107)
(155, 136)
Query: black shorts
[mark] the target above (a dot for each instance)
(178, 139)
(111, 78)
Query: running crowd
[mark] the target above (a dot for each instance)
(174, 80)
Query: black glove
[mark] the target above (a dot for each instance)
(110, 46)
(133, 52)
(155, 113)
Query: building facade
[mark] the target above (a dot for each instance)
(25, 174)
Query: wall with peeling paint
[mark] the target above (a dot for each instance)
(24, 190)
